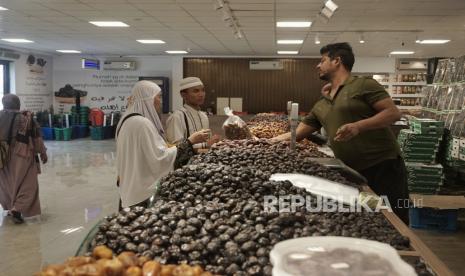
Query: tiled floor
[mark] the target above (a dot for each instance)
(77, 188)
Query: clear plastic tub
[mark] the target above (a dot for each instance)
(337, 256)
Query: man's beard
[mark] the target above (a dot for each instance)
(325, 77)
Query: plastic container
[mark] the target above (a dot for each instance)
(430, 218)
(58, 134)
(109, 132)
(63, 134)
(48, 133)
(83, 131)
(97, 133)
(67, 134)
(315, 245)
(96, 117)
(80, 131)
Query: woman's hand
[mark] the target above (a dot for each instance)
(215, 139)
(199, 136)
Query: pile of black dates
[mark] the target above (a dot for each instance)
(264, 158)
(213, 213)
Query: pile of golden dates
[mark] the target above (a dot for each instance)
(104, 263)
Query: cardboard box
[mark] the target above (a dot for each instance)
(414, 150)
(411, 135)
(438, 201)
(425, 179)
(420, 144)
(462, 142)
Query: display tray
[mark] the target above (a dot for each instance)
(420, 266)
(417, 247)
(419, 255)
(85, 246)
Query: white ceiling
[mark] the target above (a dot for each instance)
(194, 24)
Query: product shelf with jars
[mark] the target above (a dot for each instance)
(404, 86)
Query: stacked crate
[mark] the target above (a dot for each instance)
(424, 178)
(420, 145)
(80, 121)
(452, 158)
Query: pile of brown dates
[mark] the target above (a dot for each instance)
(266, 125)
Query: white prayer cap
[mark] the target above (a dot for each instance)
(190, 82)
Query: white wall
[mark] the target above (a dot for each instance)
(108, 89)
(36, 90)
(374, 65)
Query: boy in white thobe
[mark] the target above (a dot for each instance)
(189, 118)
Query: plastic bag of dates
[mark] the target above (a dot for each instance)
(234, 127)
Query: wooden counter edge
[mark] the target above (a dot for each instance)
(418, 245)
(408, 253)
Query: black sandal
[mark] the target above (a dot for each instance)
(17, 217)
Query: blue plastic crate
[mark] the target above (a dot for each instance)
(48, 133)
(80, 131)
(109, 132)
(431, 218)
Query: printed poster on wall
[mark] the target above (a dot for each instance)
(107, 90)
(34, 82)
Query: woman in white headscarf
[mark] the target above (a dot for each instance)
(143, 156)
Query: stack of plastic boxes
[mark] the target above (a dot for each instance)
(453, 160)
(419, 147)
(424, 178)
(80, 121)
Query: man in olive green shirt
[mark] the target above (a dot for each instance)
(356, 114)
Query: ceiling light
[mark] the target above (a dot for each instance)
(362, 39)
(176, 52)
(317, 39)
(293, 24)
(288, 52)
(150, 41)
(69, 51)
(327, 12)
(3, 9)
(17, 40)
(331, 5)
(290, 41)
(402, 53)
(109, 23)
(433, 41)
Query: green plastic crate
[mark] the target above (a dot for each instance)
(58, 134)
(63, 134)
